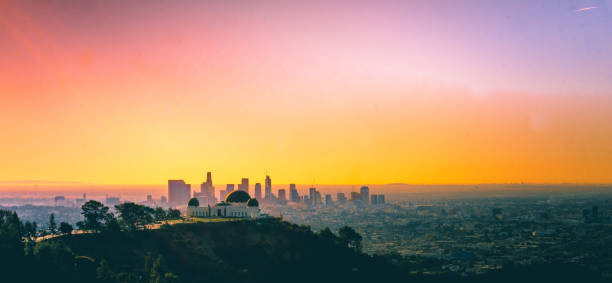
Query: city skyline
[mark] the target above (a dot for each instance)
(376, 92)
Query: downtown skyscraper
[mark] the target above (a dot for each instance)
(268, 188)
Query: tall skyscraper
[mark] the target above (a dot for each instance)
(223, 194)
(179, 193)
(377, 199)
(317, 201)
(258, 191)
(355, 197)
(341, 198)
(282, 195)
(293, 193)
(244, 186)
(229, 188)
(206, 196)
(268, 188)
(364, 192)
(311, 194)
(328, 200)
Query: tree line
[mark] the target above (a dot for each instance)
(131, 216)
(96, 218)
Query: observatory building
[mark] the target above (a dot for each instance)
(237, 204)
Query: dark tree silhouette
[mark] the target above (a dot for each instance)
(29, 230)
(328, 236)
(65, 228)
(94, 213)
(351, 238)
(160, 214)
(134, 216)
(52, 227)
(173, 213)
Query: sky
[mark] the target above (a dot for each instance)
(317, 92)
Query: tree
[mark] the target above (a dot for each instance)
(52, 227)
(135, 215)
(174, 213)
(94, 213)
(65, 228)
(170, 278)
(11, 236)
(55, 256)
(160, 214)
(156, 271)
(103, 272)
(351, 238)
(327, 235)
(29, 230)
(112, 224)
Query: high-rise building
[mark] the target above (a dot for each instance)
(364, 192)
(311, 193)
(229, 188)
(307, 201)
(149, 199)
(355, 197)
(164, 199)
(179, 193)
(60, 201)
(206, 196)
(341, 198)
(223, 194)
(377, 199)
(268, 187)
(317, 201)
(328, 200)
(80, 201)
(244, 185)
(258, 191)
(282, 195)
(293, 193)
(112, 201)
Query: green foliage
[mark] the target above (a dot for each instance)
(328, 236)
(57, 256)
(11, 235)
(65, 228)
(29, 230)
(94, 213)
(125, 277)
(135, 216)
(156, 274)
(103, 272)
(52, 227)
(160, 214)
(349, 237)
(173, 214)
(170, 278)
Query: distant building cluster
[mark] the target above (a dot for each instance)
(179, 194)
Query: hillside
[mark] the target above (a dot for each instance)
(238, 251)
(227, 251)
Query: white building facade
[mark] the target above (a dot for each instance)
(237, 204)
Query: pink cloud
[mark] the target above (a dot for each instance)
(586, 9)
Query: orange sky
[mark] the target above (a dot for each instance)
(106, 94)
